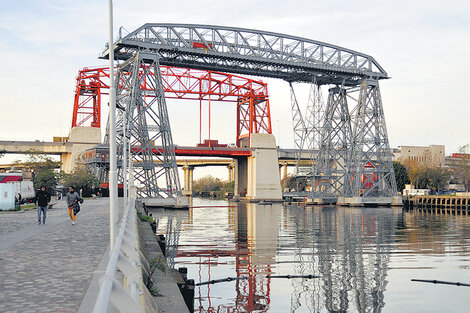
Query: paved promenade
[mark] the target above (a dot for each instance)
(48, 268)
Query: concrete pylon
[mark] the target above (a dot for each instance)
(230, 172)
(188, 180)
(262, 169)
(83, 138)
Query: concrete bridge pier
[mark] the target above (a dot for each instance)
(231, 168)
(188, 180)
(257, 177)
(83, 138)
(283, 170)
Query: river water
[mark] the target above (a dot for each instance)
(364, 257)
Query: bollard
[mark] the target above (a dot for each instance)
(187, 291)
(162, 244)
(183, 272)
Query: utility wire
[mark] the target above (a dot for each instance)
(441, 282)
(222, 280)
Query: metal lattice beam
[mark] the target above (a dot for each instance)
(247, 51)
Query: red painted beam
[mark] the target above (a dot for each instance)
(207, 151)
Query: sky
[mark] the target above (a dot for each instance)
(423, 46)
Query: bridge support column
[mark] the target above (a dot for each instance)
(235, 179)
(231, 172)
(284, 170)
(371, 178)
(262, 170)
(188, 180)
(82, 138)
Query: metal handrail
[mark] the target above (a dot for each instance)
(126, 296)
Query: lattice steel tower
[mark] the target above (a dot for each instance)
(307, 132)
(334, 148)
(370, 171)
(145, 116)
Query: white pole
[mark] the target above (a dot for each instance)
(125, 156)
(113, 192)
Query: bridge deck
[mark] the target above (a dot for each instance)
(48, 268)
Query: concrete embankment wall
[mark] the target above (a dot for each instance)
(169, 299)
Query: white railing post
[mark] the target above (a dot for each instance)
(125, 257)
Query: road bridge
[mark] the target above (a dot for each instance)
(79, 140)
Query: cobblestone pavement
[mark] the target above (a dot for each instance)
(48, 268)
(13, 221)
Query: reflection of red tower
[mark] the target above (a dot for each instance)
(252, 293)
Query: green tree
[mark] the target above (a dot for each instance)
(43, 169)
(434, 178)
(207, 184)
(401, 175)
(227, 187)
(462, 172)
(291, 182)
(45, 177)
(80, 178)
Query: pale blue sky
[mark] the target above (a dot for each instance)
(423, 45)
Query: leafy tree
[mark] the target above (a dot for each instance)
(227, 187)
(43, 170)
(401, 175)
(38, 162)
(207, 184)
(462, 172)
(45, 177)
(434, 178)
(291, 182)
(80, 178)
(412, 169)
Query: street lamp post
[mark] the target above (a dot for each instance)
(113, 192)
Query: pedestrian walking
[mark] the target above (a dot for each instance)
(42, 199)
(72, 198)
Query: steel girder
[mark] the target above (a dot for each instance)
(247, 51)
(253, 116)
(145, 115)
(370, 171)
(334, 147)
(251, 95)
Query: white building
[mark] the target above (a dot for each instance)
(432, 156)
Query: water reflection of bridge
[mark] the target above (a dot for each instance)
(348, 248)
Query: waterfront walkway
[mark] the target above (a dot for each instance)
(49, 268)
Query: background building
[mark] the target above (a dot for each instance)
(431, 156)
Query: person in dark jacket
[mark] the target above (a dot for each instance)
(42, 199)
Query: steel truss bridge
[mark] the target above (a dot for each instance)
(354, 155)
